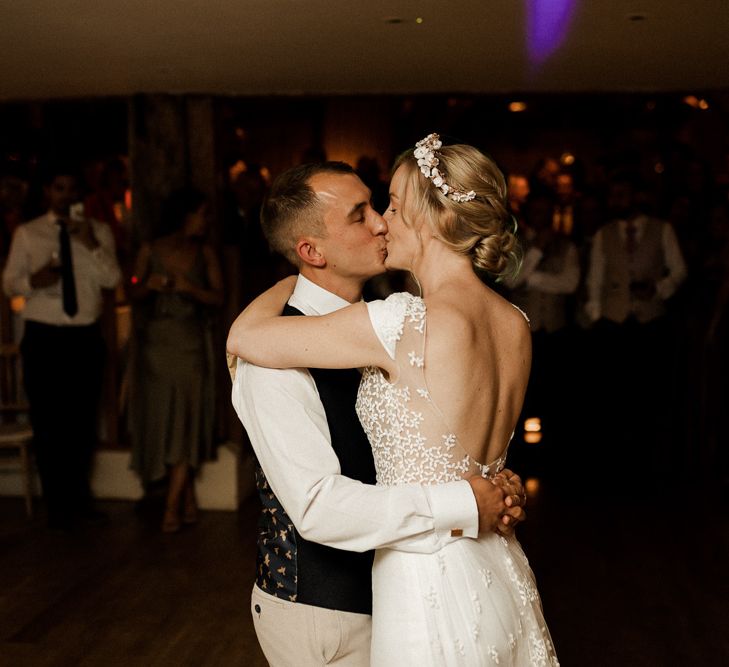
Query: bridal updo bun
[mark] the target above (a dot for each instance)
(481, 228)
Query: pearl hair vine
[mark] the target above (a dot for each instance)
(427, 161)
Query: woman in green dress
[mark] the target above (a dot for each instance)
(176, 283)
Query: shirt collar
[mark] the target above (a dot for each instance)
(311, 299)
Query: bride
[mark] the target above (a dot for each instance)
(444, 380)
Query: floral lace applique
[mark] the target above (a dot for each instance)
(409, 439)
(388, 319)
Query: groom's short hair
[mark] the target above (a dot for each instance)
(292, 209)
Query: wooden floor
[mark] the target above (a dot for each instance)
(621, 584)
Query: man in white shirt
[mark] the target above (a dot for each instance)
(635, 267)
(60, 265)
(636, 263)
(549, 275)
(322, 515)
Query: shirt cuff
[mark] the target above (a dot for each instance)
(454, 508)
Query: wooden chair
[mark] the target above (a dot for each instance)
(16, 434)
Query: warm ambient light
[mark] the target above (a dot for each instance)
(533, 424)
(236, 170)
(418, 20)
(17, 303)
(517, 107)
(567, 159)
(695, 102)
(531, 486)
(533, 430)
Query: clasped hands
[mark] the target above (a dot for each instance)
(500, 502)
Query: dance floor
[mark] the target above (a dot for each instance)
(627, 577)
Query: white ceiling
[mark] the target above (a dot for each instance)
(52, 48)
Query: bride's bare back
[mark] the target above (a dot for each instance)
(446, 407)
(478, 347)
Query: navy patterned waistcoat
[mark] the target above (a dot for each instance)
(292, 568)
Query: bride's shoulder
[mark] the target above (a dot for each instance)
(397, 305)
(388, 316)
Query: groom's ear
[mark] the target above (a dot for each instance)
(310, 253)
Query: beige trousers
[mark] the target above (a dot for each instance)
(292, 634)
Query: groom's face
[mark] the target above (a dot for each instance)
(355, 243)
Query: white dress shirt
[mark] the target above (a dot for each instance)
(34, 244)
(286, 423)
(564, 282)
(665, 288)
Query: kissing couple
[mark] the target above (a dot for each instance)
(405, 456)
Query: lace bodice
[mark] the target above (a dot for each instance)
(411, 441)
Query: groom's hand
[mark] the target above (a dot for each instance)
(514, 499)
(490, 503)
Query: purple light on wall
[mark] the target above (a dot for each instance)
(548, 23)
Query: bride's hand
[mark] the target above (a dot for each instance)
(272, 301)
(285, 286)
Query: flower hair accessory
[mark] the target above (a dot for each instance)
(427, 161)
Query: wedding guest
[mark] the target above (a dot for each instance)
(61, 263)
(250, 264)
(518, 195)
(177, 281)
(14, 188)
(543, 177)
(636, 266)
(107, 201)
(563, 216)
(549, 275)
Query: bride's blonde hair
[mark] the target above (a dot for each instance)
(481, 228)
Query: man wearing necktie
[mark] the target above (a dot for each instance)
(636, 266)
(60, 263)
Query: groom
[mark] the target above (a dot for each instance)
(322, 515)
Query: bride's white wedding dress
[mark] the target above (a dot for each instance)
(474, 602)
